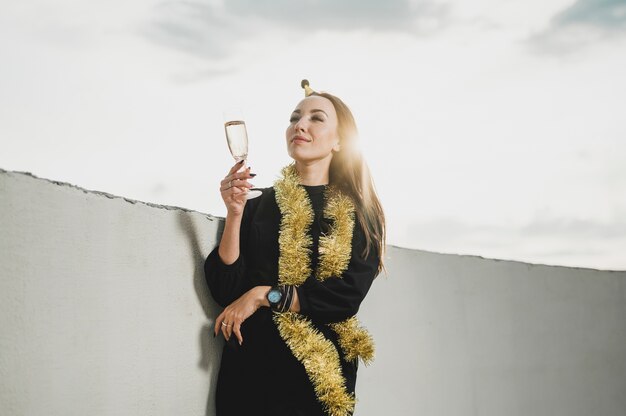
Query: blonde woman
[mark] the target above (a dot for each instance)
(292, 268)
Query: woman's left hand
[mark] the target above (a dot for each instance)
(231, 318)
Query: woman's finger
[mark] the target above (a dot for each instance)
(225, 325)
(229, 328)
(246, 174)
(236, 167)
(237, 332)
(218, 323)
(235, 183)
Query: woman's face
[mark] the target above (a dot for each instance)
(312, 132)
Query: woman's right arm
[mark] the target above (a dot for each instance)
(233, 188)
(225, 267)
(229, 244)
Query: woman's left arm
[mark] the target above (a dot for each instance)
(339, 297)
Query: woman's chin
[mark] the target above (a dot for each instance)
(304, 156)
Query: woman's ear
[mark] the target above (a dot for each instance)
(337, 147)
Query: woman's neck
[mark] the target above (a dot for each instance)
(313, 173)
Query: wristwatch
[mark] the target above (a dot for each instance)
(274, 296)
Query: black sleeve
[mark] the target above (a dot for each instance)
(339, 297)
(227, 282)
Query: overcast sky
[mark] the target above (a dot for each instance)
(492, 128)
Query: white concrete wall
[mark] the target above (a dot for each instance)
(104, 311)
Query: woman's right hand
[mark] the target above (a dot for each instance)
(234, 188)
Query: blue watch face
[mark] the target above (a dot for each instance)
(274, 296)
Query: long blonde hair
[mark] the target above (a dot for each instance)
(350, 173)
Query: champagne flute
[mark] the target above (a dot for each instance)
(237, 138)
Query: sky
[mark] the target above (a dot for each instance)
(492, 128)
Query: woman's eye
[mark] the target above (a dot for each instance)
(317, 119)
(293, 119)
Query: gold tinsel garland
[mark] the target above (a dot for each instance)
(320, 360)
(354, 340)
(335, 247)
(309, 346)
(294, 241)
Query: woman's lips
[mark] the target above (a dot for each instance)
(300, 139)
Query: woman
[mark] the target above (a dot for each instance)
(291, 270)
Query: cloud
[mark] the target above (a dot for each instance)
(583, 23)
(575, 228)
(542, 226)
(545, 239)
(210, 30)
(609, 14)
(395, 15)
(194, 27)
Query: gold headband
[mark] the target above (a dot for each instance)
(307, 90)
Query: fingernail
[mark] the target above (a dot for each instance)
(214, 335)
(253, 174)
(240, 342)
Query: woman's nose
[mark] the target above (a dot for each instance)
(300, 125)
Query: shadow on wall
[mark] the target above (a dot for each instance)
(209, 355)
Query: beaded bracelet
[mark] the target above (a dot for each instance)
(288, 299)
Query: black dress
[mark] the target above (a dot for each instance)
(262, 377)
